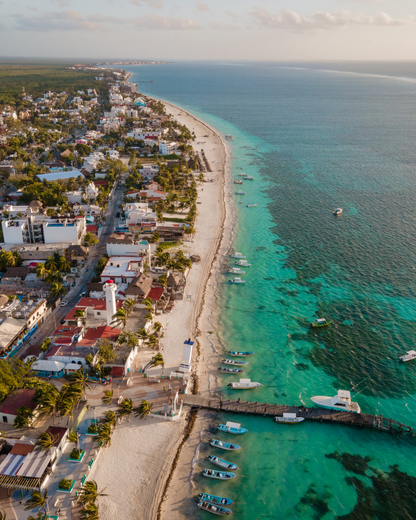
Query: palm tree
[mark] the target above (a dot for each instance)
(81, 379)
(37, 500)
(125, 407)
(73, 437)
(81, 315)
(129, 304)
(104, 435)
(52, 263)
(3, 515)
(63, 265)
(157, 326)
(143, 409)
(110, 418)
(89, 492)
(90, 512)
(66, 408)
(152, 341)
(148, 303)
(41, 271)
(45, 442)
(57, 290)
(120, 319)
(107, 397)
(49, 403)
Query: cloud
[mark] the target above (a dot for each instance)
(62, 21)
(73, 21)
(203, 7)
(153, 21)
(226, 26)
(62, 3)
(324, 21)
(153, 3)
(232, 15)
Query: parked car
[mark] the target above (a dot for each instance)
(64, 303)
(84, 294)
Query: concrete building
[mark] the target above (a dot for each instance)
(10, 406)
(44, 230)
(166, 147)
(122, 245)
(122, 269)
(110, 289)
(89, 193)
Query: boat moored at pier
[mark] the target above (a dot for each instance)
(242, 353)
(234, 362)
(289, 418)
(237, 255)
(224, 445)
(342, 401)
(230, 427)
(222, 463)
(212, 499)
(244, 384)
(220, 475)
(216, 510)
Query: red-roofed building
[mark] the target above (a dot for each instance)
(100, 183)
(155, 293)
(92, 306)
(94, 335)
(92, 228)
(12, 403)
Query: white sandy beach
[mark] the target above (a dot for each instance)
(136, 466)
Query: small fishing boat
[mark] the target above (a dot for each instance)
(234, 362)
(243, 353)
(238, 181)
(251, 205)
(242, 174)
(289, 418)
(212, 499)
(244, 384)
(243, 263)
(235, 270)
(216, 510)
(230, 427)
(338, 211)
(411, 354)
(237, 280)
(229, 137)
(222, 463)
(249, 178)
(220, 475)
(240, 192)
(237, 255)
(225, 370)
(224, 445)
(342, 401)
(320, 322)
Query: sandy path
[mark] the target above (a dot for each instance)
(137, 464)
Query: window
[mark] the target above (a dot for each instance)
(98, 313)
(5, 419)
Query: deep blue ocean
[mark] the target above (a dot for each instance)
(317, 137)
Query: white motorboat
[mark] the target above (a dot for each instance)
(238, 181)
(411, 354)
(234, 362)
(235, 270)
(342, 401)
(243, 263)
(237, 280)
(240, 192)
(251, 205)
(338, 211)
(242, 174)
(289, 418)
(244, 384)
(249, 178)
(237, 255)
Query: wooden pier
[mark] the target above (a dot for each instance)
(311, 414)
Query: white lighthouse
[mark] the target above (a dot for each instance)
(110, 297)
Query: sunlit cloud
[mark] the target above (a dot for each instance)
(152, 3)
(290, 20)
(56, 21)
(62, 3)
(224, 26)
(203, 7)
(232, 15)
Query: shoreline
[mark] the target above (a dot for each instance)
(206, 379)
(145, 457)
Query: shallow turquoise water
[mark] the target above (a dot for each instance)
(315, 141)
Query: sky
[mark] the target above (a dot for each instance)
(210, 29)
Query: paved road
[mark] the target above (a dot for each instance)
(96, 252)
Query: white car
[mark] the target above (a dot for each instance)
(64, 303)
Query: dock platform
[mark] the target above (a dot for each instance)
(311, 414)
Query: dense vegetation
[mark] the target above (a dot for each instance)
(40, 76)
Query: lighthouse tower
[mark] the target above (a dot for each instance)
(110, 296)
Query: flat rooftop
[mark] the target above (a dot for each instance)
(122, 266)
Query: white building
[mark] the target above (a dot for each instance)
(40, 229)
(91, 162)
(113, 154)
(122, 269)
(138, 213)
(141, 134)
(166, 147)
(119, 245)
(60, 176)
(149, 172)
(89, 193)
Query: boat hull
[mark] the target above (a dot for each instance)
(241, 354)
(234, 362)
(282, 420)
(224, 445)
(231, 371)
(217, 501)
(224, 464)
(236, 386)
(320, 401)
(219, 475)
(240, 431)
(218, 510)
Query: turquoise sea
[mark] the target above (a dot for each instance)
(316, 137)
